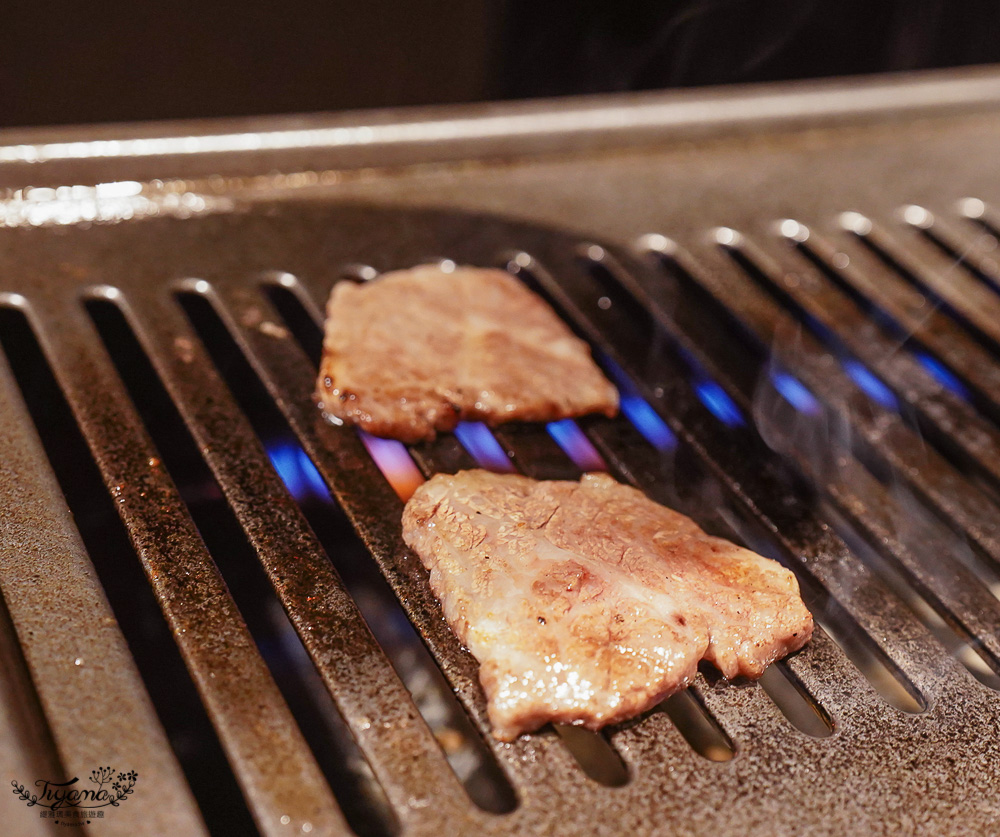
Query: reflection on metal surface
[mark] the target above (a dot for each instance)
(917, 216)
(596, 116)
(104, 203)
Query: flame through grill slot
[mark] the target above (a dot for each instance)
(816, 379)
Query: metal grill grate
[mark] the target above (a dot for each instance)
(815, 382)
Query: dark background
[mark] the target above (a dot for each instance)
(76, 62)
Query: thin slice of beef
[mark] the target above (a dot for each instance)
(416, 351)
(587, 603)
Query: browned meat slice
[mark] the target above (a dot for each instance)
(588, 603)
(416, 351)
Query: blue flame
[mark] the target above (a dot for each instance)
(719, 403)
(480, 442)
(638, 411)
(795, 392)
(577, 446)
(297, 471)
(646, 420)
(942, 374)
(870, 384)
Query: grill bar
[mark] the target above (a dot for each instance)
(238, 691)
(77, 658)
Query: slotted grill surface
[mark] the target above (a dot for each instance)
(811, 311)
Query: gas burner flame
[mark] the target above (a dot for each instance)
(483, 446)
(297, 471)
(576, 445)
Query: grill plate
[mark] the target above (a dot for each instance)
(881, 770)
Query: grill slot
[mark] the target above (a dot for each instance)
(435, 700)
(135, 608)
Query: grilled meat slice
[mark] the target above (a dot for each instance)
(588, 603)
(416, 351)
